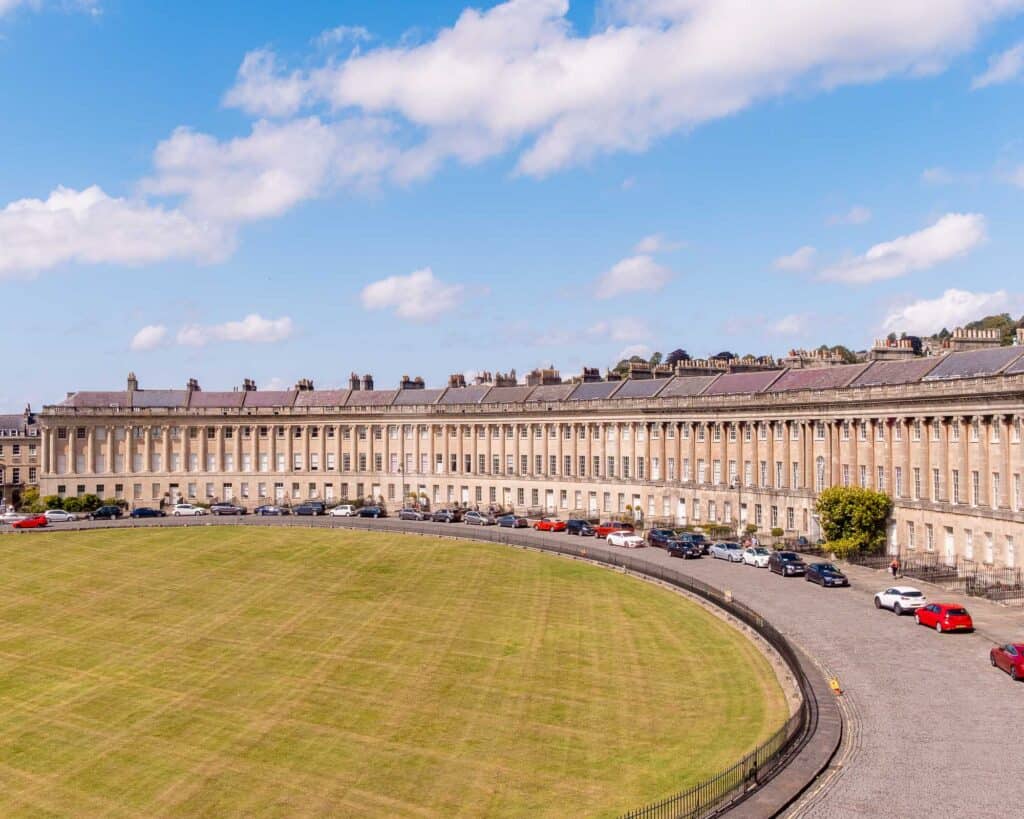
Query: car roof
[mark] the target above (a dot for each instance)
(905, 589)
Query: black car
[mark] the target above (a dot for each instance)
(686, 549)
(313, 508)
(371, 512)
(825, 574)
(269, 509)
(788, 564)
(412, 514)
(660, 537)
(226, 509)
(447, 516)
(579, 527)
(106, 513)
(698, 539)
(147, 512)
(513, 522)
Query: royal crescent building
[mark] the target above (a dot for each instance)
(749, 445)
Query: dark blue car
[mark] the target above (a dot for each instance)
(825, 574)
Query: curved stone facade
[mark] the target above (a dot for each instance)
(942, 435)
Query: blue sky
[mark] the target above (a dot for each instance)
(277, 190)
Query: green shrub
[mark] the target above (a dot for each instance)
(90, 503)
(751, 529)
(73, 505)
(855, 513)
(53, 502)
(778, 532)
(844, 547)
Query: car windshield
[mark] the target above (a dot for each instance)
(760, 550)
(828, 567)
(788, 556)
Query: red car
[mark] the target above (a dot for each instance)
(1010, 658)
(944, 617)
(549, 525)
(604, 529)
(33, 522)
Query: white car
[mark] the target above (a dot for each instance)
(343, 511)
(12, 517)
(187, 509)
(756, 556)
(900, 599)
(626, 539)
(58, 516)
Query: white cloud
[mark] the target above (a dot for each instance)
(1001, 68)
(952, 309)
(149, 337)
(789, 325)
(517, 77)
(621, 329)
(797, 261)
(656, 243)
(629, 183)
(937, 176)
(252, 329)
(952, 236)
(641, 350)
(340, 35)
(857, 215)
(1016, 176)
(90, 227)
(91, 7)
(635, 274)
(420, 296)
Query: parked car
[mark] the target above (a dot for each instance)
(412, 514)
(147, 512)
(1010, 658)
(59, 516)
(269, 509)
(342, 510)
(626, 539)
(310, 508)
(31, 522)
(901, 599)
(604, 529)
(106, 513)
(660, 537)
(474, 518)
(225, 508)
(371, 512)
(756, 556)
(513, 522)
(825, 574)
(788, 564)
(698, 538)
(549, 525)
(187, 510)
(447, 516)
(727, 551)
(11, 516)
(576, 526)
(686, 549)
(944, 617)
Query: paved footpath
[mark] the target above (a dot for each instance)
(932, 728)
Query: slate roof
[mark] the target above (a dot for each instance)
(97, 400)
(505, 395)
(371, 398)
(974, 363)
(642, 388)
(270, 398)
(464, 395)
(407, 398)
(687, 386)
(884, 373)
(595, 390)
(551, 392)
(818, 378)
(742, 383)
(1016, 368)
(15, 422)
(217, 400)
(321, 398)
(145, 399)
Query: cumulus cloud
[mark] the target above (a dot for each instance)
(857, 215)
(1002, 68)
(952, 236)
(252, 329)
(656, 243)
(937, 176)
(420, 296)
(518, 77)
(635, 274)
(90, 227)
(953, 308)
(340, 35)
(797, 261)
(620, 328)
(88, 6)
(641, 350)
(789, 325)
(149, 338)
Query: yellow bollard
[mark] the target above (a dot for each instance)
(834, 685)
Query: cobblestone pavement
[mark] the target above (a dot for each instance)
(933, 727)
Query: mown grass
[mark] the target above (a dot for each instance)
(222, 671)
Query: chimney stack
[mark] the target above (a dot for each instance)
(133, 382)
(353, 382)
(192, 385)
(367, 382)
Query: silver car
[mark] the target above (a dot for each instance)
(727, 551)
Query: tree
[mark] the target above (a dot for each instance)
(30, 501)
(676, 356)
(53, 502)
(655, 360)
(854, 518)
(90, 503)
(725, 354)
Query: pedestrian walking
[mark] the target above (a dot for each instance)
(894, 567)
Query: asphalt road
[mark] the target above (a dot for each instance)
(932, 728)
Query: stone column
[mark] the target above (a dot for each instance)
(984, 472)
(90, 450)
(1005, 442)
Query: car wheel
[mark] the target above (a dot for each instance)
(992, 659)
(938, 627)
(878, 603)
(1013, 674)
(898, 609)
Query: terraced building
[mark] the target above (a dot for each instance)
(942, 435)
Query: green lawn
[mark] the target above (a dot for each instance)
(220, 671)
